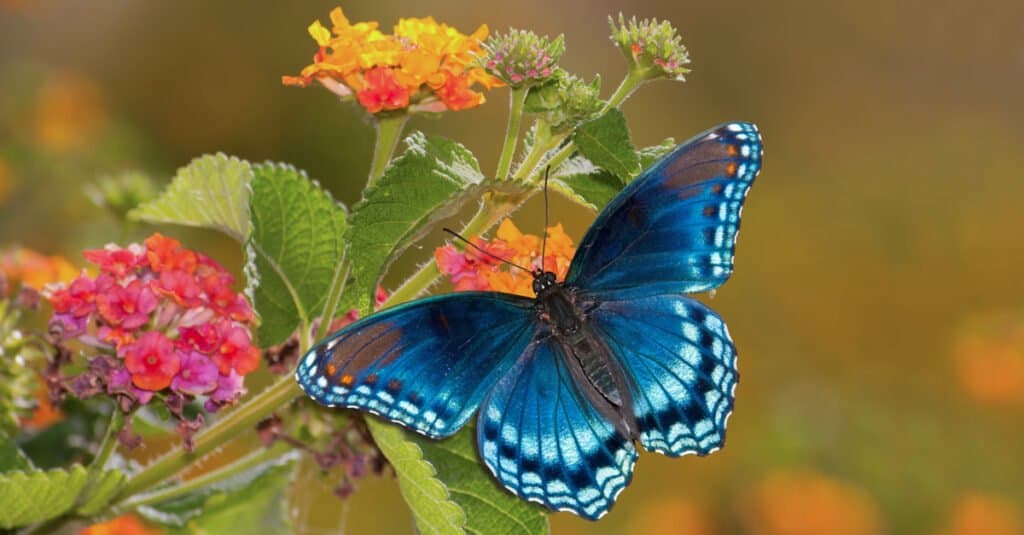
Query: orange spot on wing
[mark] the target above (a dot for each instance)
(371, 379)
(731, 169)
(346, 380)
(331, 369)
(732, 150)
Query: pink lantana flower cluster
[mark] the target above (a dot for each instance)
(158, 320)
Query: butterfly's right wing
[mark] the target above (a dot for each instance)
(425, 365)
(681, 362)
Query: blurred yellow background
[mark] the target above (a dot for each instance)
(878, 301)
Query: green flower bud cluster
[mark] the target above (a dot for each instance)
(565, 100)
(652, 47)
(522, 58)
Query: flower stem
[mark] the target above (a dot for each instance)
(516, 98)
(109, 443)
(226, 472)
(633, 79)
(543, 141)
(389, 130)
(421, 281)
(243, 418)
(333, 296)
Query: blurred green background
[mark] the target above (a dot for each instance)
(877, 305)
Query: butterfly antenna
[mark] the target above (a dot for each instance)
(484, 251)
(544, 237)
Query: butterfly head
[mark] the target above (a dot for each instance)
(543, 280)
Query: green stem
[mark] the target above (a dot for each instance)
(333, 296)
(516, 98)
(109, 443)
(543, 141)
(421, 281)
(389, 130)
(633, 79)
(226, 472)
(243, 418)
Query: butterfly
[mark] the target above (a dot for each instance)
(565, 384)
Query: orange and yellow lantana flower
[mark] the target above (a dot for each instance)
(424, 65)
(472, 270)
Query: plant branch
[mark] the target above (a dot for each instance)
(389, 130)
(239, 466)
(517, 98)
(333, 297)
(543, 141)
(241, 419)
(109, 444)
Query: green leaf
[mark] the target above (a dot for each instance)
(490, 509)
(100, 490)
(296, 243)
(419, 187)
(211, 192)
(11, 456)
(211, 505)
(428, 498)
(650, 155)
(449, 490)
(586, 184)
(34, 496)
(605, 141)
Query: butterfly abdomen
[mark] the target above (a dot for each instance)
(590, 362)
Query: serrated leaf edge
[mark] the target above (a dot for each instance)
(138, 213)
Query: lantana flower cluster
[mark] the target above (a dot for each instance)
(158, 319)
(651, 46)
(424, 65)
(472, 270)
(521, 57)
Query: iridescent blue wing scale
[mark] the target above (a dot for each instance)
(673, 229)
(542, 438)
(682, 363)
(426, 365)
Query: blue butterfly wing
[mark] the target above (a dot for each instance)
(542, 438)
(673, 229)
(427, 364)
(681, 361)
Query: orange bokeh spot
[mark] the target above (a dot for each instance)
(803, 502)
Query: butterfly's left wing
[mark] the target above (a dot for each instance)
(680, 361)
(673, 229)
(543, 439)
(425, 365)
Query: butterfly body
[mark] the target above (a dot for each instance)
(566, 385)
(589, 361)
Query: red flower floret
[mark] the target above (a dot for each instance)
(382, 91)
(236, 351)
(127, 306)
(165, 254)
(179, 285)
(152, 361)
(115, 260)
(78, 299)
